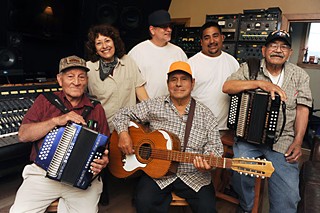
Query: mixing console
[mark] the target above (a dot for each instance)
(14, 103)
(15, 100)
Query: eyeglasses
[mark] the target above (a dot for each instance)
(283, 47)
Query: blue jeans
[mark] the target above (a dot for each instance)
(283, 185)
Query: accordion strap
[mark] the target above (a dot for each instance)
(254, 67)
(284, 120)
(56, 101)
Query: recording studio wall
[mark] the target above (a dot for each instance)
(44, 38)
(128, 16)
(245, 33)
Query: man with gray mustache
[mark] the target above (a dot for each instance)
(291, 83)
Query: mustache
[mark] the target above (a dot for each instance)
(277, 55)
(213, 44)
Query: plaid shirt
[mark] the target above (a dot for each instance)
(296, 86)
(204, 136)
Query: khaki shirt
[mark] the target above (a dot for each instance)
(117, 90)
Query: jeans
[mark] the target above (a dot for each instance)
(283, 185)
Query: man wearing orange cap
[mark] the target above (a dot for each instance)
(170, 113)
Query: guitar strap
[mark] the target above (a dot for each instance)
(189, 123)
(174, 165)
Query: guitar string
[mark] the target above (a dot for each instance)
(161, 153)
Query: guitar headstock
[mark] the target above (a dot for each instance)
(253, 167)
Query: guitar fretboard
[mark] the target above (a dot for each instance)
(184, 157)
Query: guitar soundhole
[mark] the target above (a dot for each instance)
(145, 151)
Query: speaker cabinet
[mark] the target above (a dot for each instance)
(11, 56)
(128, 16)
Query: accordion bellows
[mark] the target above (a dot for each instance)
(254, 115)
(67, 152)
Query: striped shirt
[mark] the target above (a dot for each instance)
(204, 135)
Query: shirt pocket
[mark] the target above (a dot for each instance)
(291, 104)
(197, 140)
(98, 88)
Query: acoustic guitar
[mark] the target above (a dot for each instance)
(156, 151)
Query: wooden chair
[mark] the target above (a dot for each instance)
(178, 201)
(53, 208)
(222, 177)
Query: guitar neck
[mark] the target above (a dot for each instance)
(184, 157)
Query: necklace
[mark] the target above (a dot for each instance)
(277, 80)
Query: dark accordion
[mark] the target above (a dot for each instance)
(254, 115)
(67, 152)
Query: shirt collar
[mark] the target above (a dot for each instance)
(84, 102)
(167, 100)
(97, 64)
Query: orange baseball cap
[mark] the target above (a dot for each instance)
(180, 66)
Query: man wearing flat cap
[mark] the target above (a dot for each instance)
(154, 56)
(291, 83)
(191, 181)
(37, 191)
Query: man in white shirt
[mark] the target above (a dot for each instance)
(211, 67)
(154, 56)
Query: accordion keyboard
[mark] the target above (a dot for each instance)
(62, 150)
(243, 115)
(254, 115)
(67, 152)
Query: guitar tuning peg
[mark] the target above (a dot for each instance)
(123, 160)
(251, 175)
(265, 159)
(240, 173)
(246, 174)
(248, 158)
(263, 177)
(257, 176)
(258, 159)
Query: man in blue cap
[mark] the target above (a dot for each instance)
(154, 56)
(291, 83)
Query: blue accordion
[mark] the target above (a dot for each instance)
(67, 152)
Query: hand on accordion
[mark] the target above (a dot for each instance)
(272, 89)
(70, 116)
(98, 164)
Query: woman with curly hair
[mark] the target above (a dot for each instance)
(114, 78)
